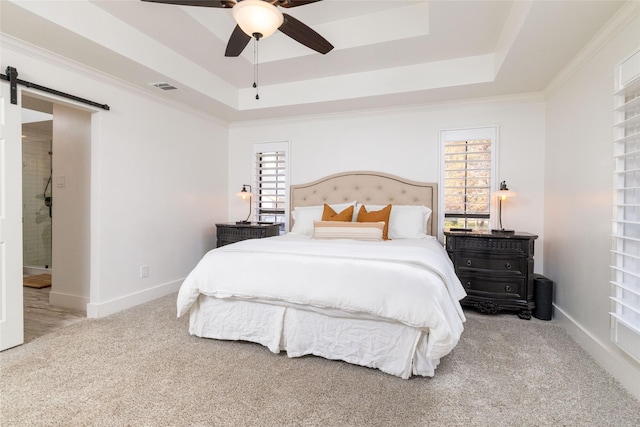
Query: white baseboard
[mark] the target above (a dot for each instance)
(95, 310)
(613, 360)
(32, 271)
(73, 302)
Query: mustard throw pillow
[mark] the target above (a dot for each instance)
(376, 216)
(328, 214)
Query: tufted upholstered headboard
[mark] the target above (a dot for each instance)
(367, 187)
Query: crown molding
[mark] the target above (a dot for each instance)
(627, 13)
(505, 99)
(35, 52)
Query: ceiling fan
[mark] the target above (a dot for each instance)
(260, 19)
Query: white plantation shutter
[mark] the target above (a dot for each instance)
(468, 157)
(271, 191)
(625, 267)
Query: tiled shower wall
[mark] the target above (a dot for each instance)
(36, 169)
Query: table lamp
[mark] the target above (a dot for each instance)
(244, 195)
(503, 193)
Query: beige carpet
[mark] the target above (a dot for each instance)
(141, 368)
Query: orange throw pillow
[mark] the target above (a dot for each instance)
(328, 214)
(376, 216)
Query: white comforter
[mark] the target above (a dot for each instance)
(408, 281)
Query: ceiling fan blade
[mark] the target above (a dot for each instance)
(294, 3)
(237, 42)
(305, 35)
(204, 3)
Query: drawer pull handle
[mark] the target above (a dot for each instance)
(468, 284)
(468, 263)
(507, 288)
(508, 266)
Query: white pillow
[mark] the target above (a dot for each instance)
(406, 221)
(304, 216)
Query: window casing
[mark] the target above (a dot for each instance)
(468, 170)
(271, 189)
(625, 253)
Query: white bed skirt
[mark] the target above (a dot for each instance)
(391, 347)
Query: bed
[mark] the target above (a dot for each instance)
(337, 289)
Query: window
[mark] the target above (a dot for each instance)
(625, 265)
(467, 177)
(271, 183)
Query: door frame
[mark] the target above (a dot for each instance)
(94, 198)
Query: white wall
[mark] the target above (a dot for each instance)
(158, 181)
(71, 192)
(162, 179)
(578, 199)
(405, 142)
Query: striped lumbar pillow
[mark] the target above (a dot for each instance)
(369, 231)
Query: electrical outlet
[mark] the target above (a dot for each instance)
(144, 271)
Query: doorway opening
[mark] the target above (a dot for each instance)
(55, 210)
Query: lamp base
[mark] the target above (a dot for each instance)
(243, 222)
(502, 231)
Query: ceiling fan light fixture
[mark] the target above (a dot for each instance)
(257, 16)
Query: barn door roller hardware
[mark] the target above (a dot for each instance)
(14, 81)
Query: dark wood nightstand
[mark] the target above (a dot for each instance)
(495, 269)
(230, 232)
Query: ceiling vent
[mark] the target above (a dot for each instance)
(164, 86)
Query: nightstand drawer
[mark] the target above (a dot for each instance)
(228, 233)
(494, 287)
(492, 245)
(242, 233)
(498, 263)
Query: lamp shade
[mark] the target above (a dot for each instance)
(504, 192)
(257, 16)
(244, 194)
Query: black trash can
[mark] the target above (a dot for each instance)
(543, 297)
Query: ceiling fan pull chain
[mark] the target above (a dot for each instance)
(256, 39)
